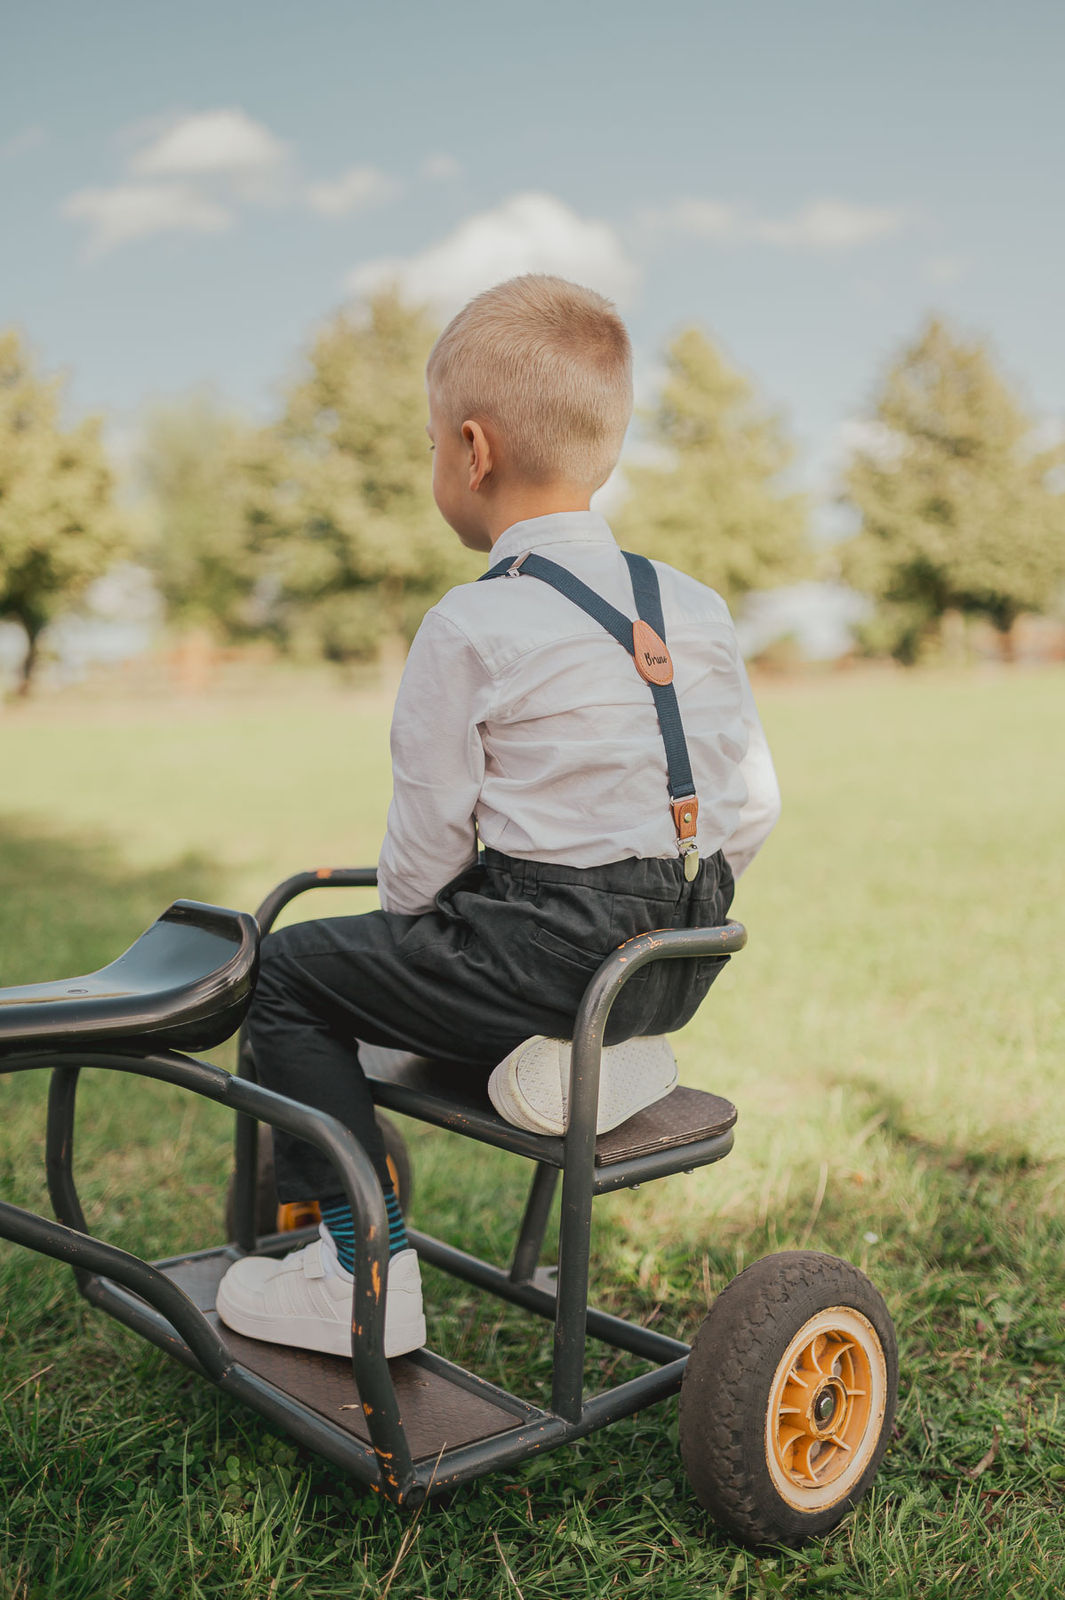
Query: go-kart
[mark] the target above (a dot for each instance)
(787, 1394)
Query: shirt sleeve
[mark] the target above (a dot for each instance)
(761, 808)
(437, 767)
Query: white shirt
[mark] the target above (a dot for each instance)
(519, 719)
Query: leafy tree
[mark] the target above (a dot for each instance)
(713, 506)
(193, 462)
(959, 512)
(340, 500)
(58, 528)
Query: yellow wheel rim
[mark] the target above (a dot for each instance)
(298, 1214)
(826, 1409)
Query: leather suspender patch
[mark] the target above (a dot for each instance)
(685, 817)
(651, 655)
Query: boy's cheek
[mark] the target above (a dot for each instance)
(447, 504)
(440, 492)
(473, 538)
(441, 487)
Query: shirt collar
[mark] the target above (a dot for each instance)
(559, 528)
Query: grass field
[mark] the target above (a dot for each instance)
(893, 1035)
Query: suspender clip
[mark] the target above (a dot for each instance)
(686, 820)
(515, 570)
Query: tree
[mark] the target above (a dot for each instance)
(58, 528)
(340, 500)
(713, 506)
(959, 512)
(192, 463)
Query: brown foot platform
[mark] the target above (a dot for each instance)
(687, 1116)
(443, 1407)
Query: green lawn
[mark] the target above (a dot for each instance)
(893, 1036)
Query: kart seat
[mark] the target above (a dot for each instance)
(185, 983)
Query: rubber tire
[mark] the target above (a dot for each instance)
(266, 1189)
(725, 1393)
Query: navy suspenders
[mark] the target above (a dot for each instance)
(645, 641)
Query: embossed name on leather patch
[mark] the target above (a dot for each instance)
(653, 660)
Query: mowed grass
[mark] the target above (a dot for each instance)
(893, 1036)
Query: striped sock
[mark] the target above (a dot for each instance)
(397, 1232)
(337, 1217)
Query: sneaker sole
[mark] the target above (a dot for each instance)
(508, 1100)
(634, 1075)
(309, 1333)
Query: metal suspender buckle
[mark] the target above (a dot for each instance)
(514, 571)
(686, 820)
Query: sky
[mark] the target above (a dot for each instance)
(189, 189)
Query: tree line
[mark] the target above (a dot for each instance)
(318, 532)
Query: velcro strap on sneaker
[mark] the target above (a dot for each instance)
(313, 1265)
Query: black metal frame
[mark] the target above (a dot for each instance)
(144, 1298)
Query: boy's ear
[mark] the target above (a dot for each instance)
(478, 453)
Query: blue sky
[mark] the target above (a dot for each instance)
(187, 189)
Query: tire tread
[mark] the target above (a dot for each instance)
(739, 1336)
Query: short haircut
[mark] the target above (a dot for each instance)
(550, 364)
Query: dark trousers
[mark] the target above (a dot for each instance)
(506, 951)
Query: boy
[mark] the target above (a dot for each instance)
(519, 722)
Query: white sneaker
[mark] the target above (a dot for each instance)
(304, 1299)
(530, 1089)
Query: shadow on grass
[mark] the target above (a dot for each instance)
(924, 1219)
(1009, 1158)
(981, 1208)
(70, 904)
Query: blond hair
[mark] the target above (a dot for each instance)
(550, 365)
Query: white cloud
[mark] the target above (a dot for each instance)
(441, 167)
(527, 233)
(865, 436)
(944, 269)
(833, 225)
(222, 142)
(355, 190)
(134, 210)
(821, 225)
(19, 144)
(704, 219)
(190, 174)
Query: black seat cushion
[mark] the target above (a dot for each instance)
(186, 982)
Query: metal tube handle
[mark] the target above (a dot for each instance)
(579, 1161)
